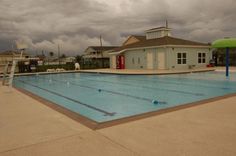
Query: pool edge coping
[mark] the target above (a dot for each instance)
(101, 125)
(117, 73)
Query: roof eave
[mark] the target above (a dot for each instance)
(161, 46)
(158, 29)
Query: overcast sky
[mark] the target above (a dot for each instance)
(76, 24)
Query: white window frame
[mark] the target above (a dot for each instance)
(201, 58)
(181, 58)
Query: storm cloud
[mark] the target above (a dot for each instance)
(76, 24)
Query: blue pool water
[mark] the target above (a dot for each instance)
(105, 97)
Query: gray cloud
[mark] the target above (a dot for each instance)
(76, 24)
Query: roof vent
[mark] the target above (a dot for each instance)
(158, 32)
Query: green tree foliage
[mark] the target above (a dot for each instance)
(78, 58)
(51, 54)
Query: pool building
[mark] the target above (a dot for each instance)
(159, 50)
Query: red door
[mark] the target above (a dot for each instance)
(120, 62)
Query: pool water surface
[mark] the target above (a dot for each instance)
(106, 97)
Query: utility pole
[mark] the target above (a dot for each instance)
(43, 56)
(101, 50)
(12, 46)
(58, 53)
(12, 51)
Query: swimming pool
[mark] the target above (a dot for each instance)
(107, 97)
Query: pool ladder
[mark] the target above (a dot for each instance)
(8, 78)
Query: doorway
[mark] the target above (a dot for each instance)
(160, 60)
(149, 60)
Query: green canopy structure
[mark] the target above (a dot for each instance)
(225, 43)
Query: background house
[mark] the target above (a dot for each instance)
(8, 56)
(158, 50)
(98, 55)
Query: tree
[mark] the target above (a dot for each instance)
(78, 58)
(51, 54)
(63, 56)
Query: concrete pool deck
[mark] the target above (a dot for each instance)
(133, 71)
(27, 127)
(126, 71)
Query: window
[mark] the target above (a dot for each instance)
(201, 57)
(133, 60)
(181, 58)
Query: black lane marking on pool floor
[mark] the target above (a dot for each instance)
(73, 100)
(169, 80)
(153, 88)
(182, 83)
(112, 92)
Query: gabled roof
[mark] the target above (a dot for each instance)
(136, 37)
(139, 37)
(166, 40)
(103, 48)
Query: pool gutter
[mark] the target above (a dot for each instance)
(121, 72)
